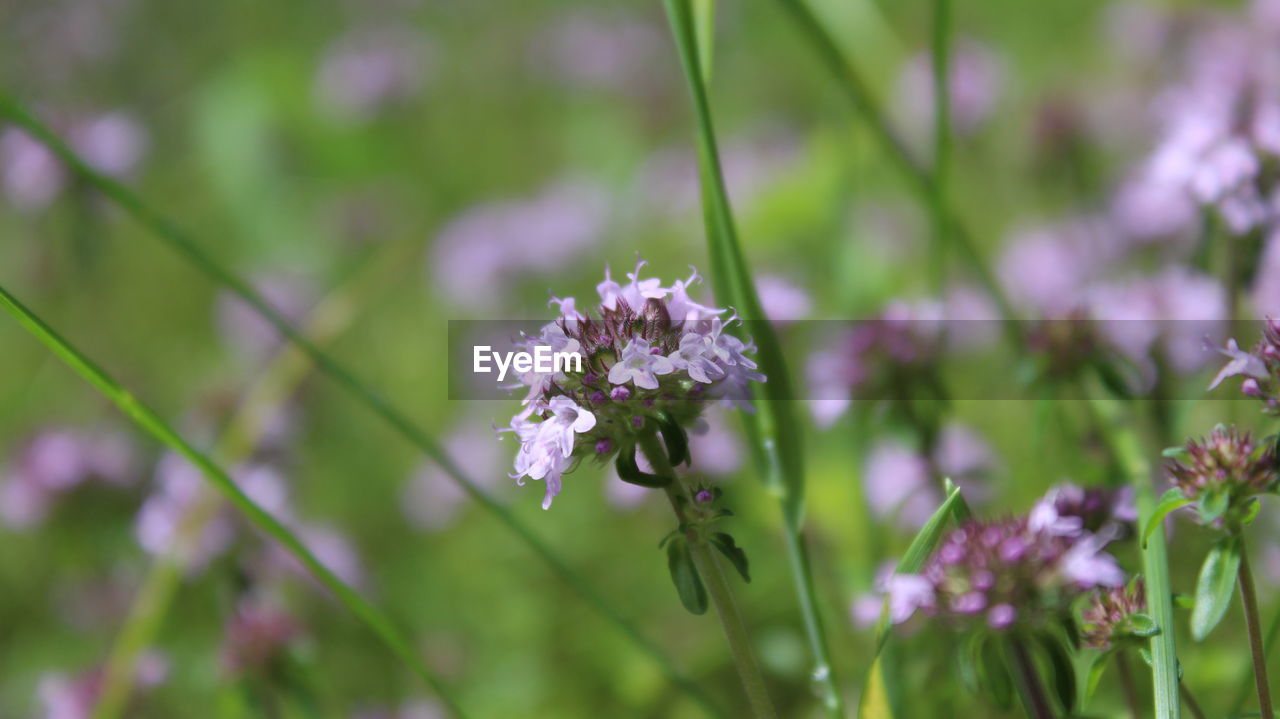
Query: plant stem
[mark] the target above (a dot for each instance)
(1190, 701)
(941, 140)
(1126, 684)
(735, 630)
(1031, 688)
(1249, 597)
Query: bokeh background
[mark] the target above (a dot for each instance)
(379, 168)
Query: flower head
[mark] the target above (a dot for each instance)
(651, 356)
(1260, 367)
(1003, 572)
(1114, 615)
(1223, 472)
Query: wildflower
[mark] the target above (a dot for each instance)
(255, 636)
(1116, 615)
(973, 87)
(369, 69)
(651, 359)
(1223, 473)
(56, 461)
(433, 499)
(1010, 571)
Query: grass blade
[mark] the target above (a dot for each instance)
(174, 237)
(941, 141)
(772, 429)
(149, 421)
(1127, 449)
(236, 442)
(922, 182)
(876, 702)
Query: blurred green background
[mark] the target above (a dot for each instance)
(363, 154)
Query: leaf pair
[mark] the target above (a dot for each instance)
(684, 571)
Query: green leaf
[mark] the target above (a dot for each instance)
(675, 438)
(693, 595)
(1096, 669)
(1142, 625)
(994, 673)
(922, 545)
(1170, 501)
(704, 18)
(1214, 504)
(1177, 452)
(1062, 670)
(629, 472)
(149, 421)
(1216, 586)
(736, 556)
(1250, 511)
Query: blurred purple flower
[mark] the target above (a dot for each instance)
(56, 461)
(432, 498)
(600, 51)
(368, 69)
(169, 521)
(76, 697)
(1047, 269)
(248, 334)
(782, 300)
(1178, 308)
(975, 84)
(256, 635)
(479, 251)
(31, 175)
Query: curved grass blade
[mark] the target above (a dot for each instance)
(281, 378)
(921, 181)
(773, 431)
(941, 142)
(876, 701)
(149, 421)
(185, 246)
(1127, 449)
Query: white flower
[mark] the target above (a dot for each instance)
(1241, 363)
(639, 365)
(692, 356)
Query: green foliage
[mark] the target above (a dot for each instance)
(1216, 586)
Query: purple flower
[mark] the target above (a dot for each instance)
(640, 366)
(56, 461)
(1228, 462)
(479, 253)
(1019, 570)
(255, 636)
(975, 84)
(432, 499)
(668, 351)
(1107, 618)
(600, 51)
(366, 70)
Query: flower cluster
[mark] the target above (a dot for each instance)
(1260, 368)
(651, 358)
(1008, 571)
(1115, 615)
(1222, 472)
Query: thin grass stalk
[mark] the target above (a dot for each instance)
(1118, 431)
(773, 429)
(941, 58)
(185, 246)
(281, 378)
(920, 180)
(149, 421)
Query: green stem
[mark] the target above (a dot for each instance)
(941, 140)
(1249, 598)
(149, 421)
(920, 180)
(264, 398)
(735, 630)
(1126, 684)
(398, 420)
(1118, 431)
(1034, 698)
(1190, 701)
(1246, 684)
